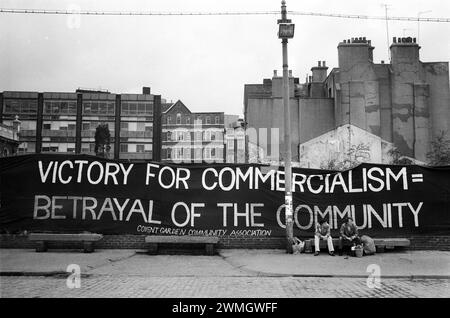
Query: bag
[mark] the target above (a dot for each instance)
(368, 245)
(298, 246)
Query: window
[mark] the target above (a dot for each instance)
(207, 136)
(70, 149)
(213, 152)
(208, 120)
(123, 147)
(169, 136)
(240, 144)
(111, 108)
(169, 153)
(64, 107)
(102, 108)
(47, 126)
(139, 148)
(141, 109)
(178, 119)
(133, 109)
(217, 120)
(198, 135)
(124, 126)
(198, 153)
(71, 127)
(140, 126)
(188, 120)
(168, 120)
(125, 109)
(230, 144)
(86, 126)
(213, 136)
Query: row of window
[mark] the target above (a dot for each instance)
(20, 106)
(99, 108)
(187, 120)
(198, 135)
(92, 125)
(240, 144)
(139, 148)
(136, 126)
(60, 107)
(134, 108)
(186, 153)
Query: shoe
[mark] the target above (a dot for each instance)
(316, 253)
(331, 253)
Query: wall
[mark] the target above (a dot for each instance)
(137, 242)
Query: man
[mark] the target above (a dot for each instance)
(349, 233)
(323, 232)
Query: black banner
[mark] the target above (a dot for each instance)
(77, 193)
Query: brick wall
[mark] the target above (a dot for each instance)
(137, 242)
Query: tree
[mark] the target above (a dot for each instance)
(439, 155)
(102, 141)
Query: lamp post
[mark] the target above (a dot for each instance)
(418, 24)
(285, 32)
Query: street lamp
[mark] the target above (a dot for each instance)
(418, 23)
(285, 32)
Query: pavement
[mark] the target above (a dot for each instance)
(228, 262)
(232, 273)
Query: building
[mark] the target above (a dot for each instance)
(370, 109)
(234, 139)
(189, 137)
(9, 139)
(66, 122)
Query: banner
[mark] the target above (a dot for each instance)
(77, 193)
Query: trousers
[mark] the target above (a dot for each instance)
(317, 243)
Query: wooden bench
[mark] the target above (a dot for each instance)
(88, 240)
(154, 240)
(380, 243)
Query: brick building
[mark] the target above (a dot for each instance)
(189, 137)
(399, 106)
(66, 122)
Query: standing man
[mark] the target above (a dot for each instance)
(349, 233)
(323, 232)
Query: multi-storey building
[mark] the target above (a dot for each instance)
(189, 137)
(66, 122)
(400, 107)
(9, 139)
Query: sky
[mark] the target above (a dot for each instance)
(204, 61)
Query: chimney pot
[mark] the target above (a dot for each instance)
(323, 63)
(394, 39)
(319, 63)
(274, 73)
(290, 73)
(414, 40)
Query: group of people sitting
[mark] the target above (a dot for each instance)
(348, 235)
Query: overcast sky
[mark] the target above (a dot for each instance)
(203, 61)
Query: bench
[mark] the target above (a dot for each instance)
(380, 244)
(88, 240)
(154, 240)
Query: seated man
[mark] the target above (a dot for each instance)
(349, 233)
(323, 232)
